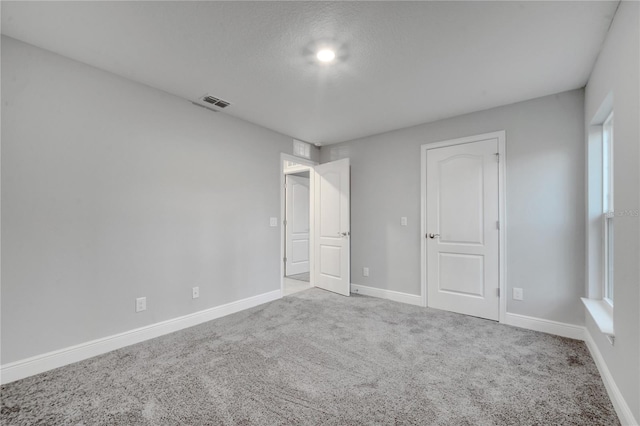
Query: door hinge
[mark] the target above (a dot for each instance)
(284, 222)
(498, 292)
(284, 259)
(497, 157)
(498, 224)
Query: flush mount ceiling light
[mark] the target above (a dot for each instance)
(326, 55)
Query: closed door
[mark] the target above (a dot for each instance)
(297, 225)
(332, 227)
(462, 228)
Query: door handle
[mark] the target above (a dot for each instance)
(344, 234)
(432, 236)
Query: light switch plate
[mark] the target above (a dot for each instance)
(403, 221)
(518, 294)
(195, 292)
(141, 304)
(273, 222)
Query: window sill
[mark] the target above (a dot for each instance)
(602, 314)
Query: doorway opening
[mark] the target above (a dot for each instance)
(296, 225)
(316, 228)
(297, 229)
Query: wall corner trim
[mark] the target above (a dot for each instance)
(396, 296)
(545, 326)
(40, 363)
(619, 404)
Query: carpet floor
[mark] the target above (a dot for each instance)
(322, 359)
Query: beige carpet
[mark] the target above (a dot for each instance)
(321, 359)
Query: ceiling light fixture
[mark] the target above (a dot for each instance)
(326, 55)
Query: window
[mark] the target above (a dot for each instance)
(600, 219)
(607, 207)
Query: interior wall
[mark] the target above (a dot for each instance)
(617, 75)
(112, 190)
(544, 201)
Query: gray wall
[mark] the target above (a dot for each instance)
(112, 190)
(544, 197)
(617, 72)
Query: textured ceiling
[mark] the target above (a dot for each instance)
(399, 64)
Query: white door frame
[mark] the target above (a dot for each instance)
(502, 267)
(311, 164)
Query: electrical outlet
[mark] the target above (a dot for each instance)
(518, 294)
(365, 272)
(273, 222)
(141, 304)
(195, 292)
(403, 221)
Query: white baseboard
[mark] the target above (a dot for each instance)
(546, 326)
(38, 364)
(396, 296)
(619, 404)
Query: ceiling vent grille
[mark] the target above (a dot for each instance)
(217, 102)
(212, 103)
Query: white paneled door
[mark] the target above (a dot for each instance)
(462, 237)
(297, 225)
(332, 227)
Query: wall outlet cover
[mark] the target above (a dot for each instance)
(365, 272)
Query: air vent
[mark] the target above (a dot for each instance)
(212, 100)
(211, 103)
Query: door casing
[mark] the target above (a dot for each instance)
(502, 267)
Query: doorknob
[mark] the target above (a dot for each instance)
(434, 235)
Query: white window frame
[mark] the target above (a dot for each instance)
(599, 219)
(608, 212)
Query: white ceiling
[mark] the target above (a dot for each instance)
(400, 64)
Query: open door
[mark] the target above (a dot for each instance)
(332, 227)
